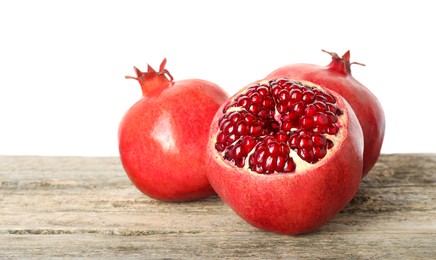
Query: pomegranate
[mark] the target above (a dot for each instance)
(163, 136)
(286, 155)
(337, 76)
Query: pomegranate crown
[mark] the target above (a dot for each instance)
(152, 79)
(341, 64)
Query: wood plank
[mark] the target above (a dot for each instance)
(87, 207)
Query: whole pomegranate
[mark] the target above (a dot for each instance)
(337, 76)
(163, 136)
(286, 155)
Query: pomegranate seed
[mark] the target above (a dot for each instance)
(320, 98)
(268, 139)
(263, 113)
(302, 132)
(281, 82)
(283, 96)
(319, 140)
(254, 108)
(330, 98)
(244, 102)
(240, 162)
(274, 125)
(298, 108)
(238, 152)
(280, 163)
(282, 108)
(293, 140)
(259, 168)
(332, 130)
(242, 128)
(320, 119)
(296, 95)
(305, 141)
(235, 117)
(249, 118)
(331, 107)
(275, 91)
(228, 155)
(274, 148)
(290, 116)
(221, 138)
(224, 122)
(256, 98)
(284, 149)
(310, 110)
(296, 86)
(263, 90)
(282, 136)
(308, 97)
(289, 166)
(231, 138)
(286, 126)
(248, 143)
(260, 155)
(256, 130)
(331, 117)
(229, 128)
(329, 144)
(317, 92)
(268, 102)
(270, 163)
(306, 154)
(220, 147)
(307, 122)
(321, 107)
(319, 152)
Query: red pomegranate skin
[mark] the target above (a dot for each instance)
(292, 203)
(163, 136)
(337, 76)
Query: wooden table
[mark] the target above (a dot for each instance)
(66, 207)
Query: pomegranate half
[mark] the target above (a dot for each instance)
(163, 136)
(337, 77)
(286, 155)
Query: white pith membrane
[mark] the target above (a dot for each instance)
(301, 164)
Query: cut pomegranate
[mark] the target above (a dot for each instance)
(286, 155)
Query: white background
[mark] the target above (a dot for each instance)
(62, 63)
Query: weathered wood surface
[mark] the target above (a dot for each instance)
(56, 207)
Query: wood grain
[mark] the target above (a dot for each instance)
(66, 207)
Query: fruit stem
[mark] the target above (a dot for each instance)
(341, 64)
(153, 82)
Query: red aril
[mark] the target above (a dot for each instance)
(286, 155)
(337, 76)
(163, 136)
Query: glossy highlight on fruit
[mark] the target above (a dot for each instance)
(337, 77)
(163, 136)
(286, 155)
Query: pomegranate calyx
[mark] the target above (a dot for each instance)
(334, 55)
(341, 64)
(153, 81)
(163, 71)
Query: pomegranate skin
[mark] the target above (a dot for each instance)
(163, 136)
(337, 76)
(292, 203)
